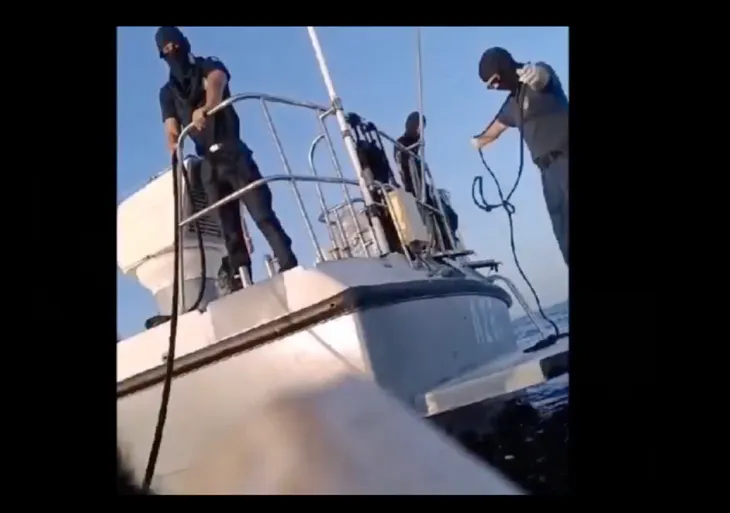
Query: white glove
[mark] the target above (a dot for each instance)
(533, 76)
(476, 143)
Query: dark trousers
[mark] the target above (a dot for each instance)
(227, 170)
(555, 189)
(452, 220)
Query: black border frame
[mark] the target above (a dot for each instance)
(612, 319)
(71, 407)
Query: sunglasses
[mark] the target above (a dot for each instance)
(168, 49)
(493, 81)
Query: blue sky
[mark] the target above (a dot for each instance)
(374, 71)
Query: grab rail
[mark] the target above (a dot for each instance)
(321, 113)
(365, 236)
(426, 172)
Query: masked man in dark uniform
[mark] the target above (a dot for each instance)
(543, 119)
(412, 175)
(195, 86)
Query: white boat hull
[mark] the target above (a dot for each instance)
(409, 337)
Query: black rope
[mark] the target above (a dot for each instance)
(174, 314)
(477, 186)
(167, 384)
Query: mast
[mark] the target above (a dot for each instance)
(419, 93)
(347, 138)
(422, 141)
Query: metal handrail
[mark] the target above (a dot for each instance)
(321, 112)
(520, 299)
(411, 150)
(346, 193)
(324, 216)
(426, 174)
(258, 183)
(320, 194)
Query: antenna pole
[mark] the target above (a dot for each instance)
(419, 93)
(347, 138)
(422, 141)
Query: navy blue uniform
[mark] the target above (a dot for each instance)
(228, 165)
(412, 168)
(544, 123)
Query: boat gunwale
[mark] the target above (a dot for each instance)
(356, 298)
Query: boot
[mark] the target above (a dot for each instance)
(229, 280)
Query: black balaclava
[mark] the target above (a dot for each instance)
(180, 61)
(412, 125)
(498, 60)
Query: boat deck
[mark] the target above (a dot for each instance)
(502, 377)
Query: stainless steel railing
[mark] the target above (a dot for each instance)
(349, 229)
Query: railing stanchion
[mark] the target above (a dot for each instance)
(295, 188)
(177, 175)
(377, 227)
(322, 202)
(345, 191)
